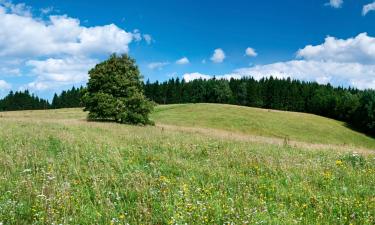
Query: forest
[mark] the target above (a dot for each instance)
(356, 107)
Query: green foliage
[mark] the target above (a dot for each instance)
(68, 99)
(22, 101)
(115, 92)
(364, 116)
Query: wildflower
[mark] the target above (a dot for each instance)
(339, 163)
(122, 216)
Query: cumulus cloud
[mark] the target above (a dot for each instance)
(338, 73)
(57, 50)
(157, 65)
(183, 61)
(218, 56)
(251, 52)
(51, 73)
(60, 35)
(349, 62)
(359, 49)
(335, 3)
(368, 8)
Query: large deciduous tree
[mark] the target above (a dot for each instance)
(115, 92)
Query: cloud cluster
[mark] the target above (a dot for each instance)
(349, 62)
(52, 73)
(359, 49)
(57, 50)
(61, 35)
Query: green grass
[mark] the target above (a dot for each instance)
(253, 121)
(56, 168)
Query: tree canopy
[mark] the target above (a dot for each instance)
(115, 92)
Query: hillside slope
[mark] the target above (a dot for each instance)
(262, 122)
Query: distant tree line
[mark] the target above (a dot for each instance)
(22, 100)
(356, 107)
(353, 106)
(68, 99)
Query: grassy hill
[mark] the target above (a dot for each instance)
(55, 167)
(262, 122)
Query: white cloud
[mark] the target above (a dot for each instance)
(218, 56)
(56, 51)
(51, 73)
(349, 62)
(157, 65)
(194, 76)
(4, 86)
(338, 73)
(359, 49)
(353, 74)
(368, 8)
(335, 3)
(60, 35)
(148, 38)
(251, 52)
(183, 61)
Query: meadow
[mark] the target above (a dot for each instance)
(200, 164)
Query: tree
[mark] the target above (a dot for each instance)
(115, 92)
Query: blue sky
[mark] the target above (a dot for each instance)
(47, 46)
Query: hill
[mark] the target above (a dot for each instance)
(55, 167)
(262, 122)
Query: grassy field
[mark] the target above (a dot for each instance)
(295, 126)
(56, 168)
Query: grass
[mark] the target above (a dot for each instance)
(253, 121)
(56, 168)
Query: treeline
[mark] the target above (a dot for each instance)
(23, 100)
(68, 99)
(353, 106)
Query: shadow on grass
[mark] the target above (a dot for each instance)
(113, 121)
(359, 130)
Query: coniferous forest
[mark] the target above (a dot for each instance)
(356, 107)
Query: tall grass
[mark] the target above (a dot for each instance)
(68, 171)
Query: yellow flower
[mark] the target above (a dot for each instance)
(122, 216)
(339, 163)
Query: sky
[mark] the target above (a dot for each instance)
(48, 46)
